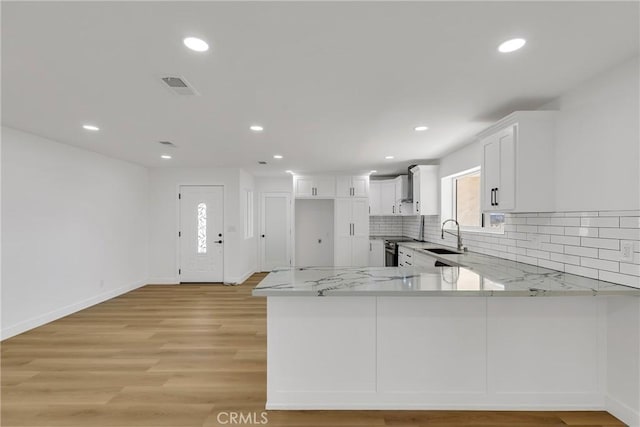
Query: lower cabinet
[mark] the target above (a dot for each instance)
(376, 253)
(351, 233)
(405, 257)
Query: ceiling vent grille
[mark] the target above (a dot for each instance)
(167, 143)
(179, 86)
(262, 162)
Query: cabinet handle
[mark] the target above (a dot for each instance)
(354, 229)
(400, 208)
(370, 247)
(418, 206)
(497, 203)
(492, 197)
(393, 209)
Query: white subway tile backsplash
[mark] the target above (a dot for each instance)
(551, 264)
(600, 264)
(610, 221)
(619, 213)
(552, 247)
(582, 243)
(630, 222)
(566, 240)
(581, 231)
(600, 243)
(633, 269)
(621, 233)
(581, 251)
(624, 279)
(551, 229)
(567, 221)
(567, 259)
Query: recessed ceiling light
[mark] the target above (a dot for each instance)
(511, 45)
(196, 44)
(165, 156)
(373, 171)
(388, 157)
(277, 156)
(420, 128)
(90, 127)
(256, 128)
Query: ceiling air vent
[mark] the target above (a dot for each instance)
(262, 162)
(167, 143)
(179, 85)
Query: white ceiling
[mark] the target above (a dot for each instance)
(337, 86)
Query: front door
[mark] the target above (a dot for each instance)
(201, 233)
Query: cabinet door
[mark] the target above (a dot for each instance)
(325, 186)
(374, 198)
(359, 251)
(490, 171)
(360, 218)
(303, 187)
(376, 253)
(505, 195)
(342, 227)
(360, 185)
(387, 198)
(342, 252)
(416, 191)
(343, 186)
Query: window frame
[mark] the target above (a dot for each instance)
(448, 196)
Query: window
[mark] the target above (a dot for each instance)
(202, 228)
(248, 214)
(462, 200)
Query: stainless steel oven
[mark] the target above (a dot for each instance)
(390, 254)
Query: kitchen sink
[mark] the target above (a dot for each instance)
(443, 251)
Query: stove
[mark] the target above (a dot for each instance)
(391, 249)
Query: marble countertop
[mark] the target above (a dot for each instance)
(471, 274)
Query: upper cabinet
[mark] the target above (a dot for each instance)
(425, 190)
(352, 186)
(517, 157)
(385, 197)
(314, 186)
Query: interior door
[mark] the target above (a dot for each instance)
(276, 231)
(201, 234)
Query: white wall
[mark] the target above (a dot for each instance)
(598, 142)
(597, 156)
(74, 229)
(314, 221)
(239, 256)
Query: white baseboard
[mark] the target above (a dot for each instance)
(163, 281)
(241, 279)
(623, 412)
(34, 322)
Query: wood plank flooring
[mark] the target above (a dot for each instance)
(179, 356)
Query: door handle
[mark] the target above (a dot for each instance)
(262, 236)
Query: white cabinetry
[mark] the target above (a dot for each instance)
(405, 257)
(425, 190)
(352, 186)
(351, 232)
(385, 197)
(314, 186)
(517, 157)
(376, 253)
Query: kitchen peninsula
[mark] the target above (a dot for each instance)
(477, 333)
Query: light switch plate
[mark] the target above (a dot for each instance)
(626, 252)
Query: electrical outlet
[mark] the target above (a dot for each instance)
(626, 253)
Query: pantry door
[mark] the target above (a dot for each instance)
(201, 234)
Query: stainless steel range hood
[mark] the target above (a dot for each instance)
(409, 198)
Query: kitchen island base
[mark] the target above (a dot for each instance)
(378, 352)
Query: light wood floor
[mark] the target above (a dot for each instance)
(179, 356)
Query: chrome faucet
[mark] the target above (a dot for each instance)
(460, 247)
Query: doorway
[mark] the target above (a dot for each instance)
(275, 237)
(201, 243)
